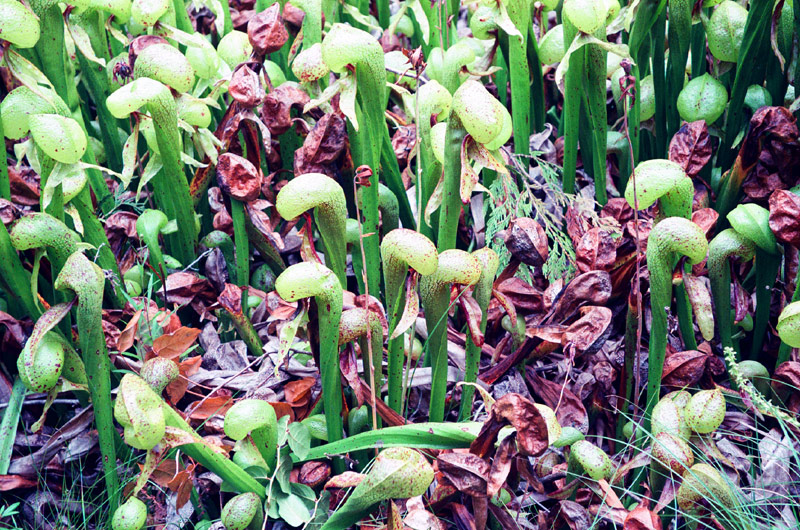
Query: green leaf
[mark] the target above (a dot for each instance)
(293, 510)
(416, 435)
(299, 439)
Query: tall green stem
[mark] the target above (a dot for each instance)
(672, 237)
(343, 46)
(307, 280)
(402, 249)
(483, 293)
(86, 280)
(455, 267)
(171, 189)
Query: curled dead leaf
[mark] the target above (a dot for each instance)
(691, 147)
(266, 31)
(238, 177)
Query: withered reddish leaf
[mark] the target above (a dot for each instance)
(266, 31)
(590, 288)
(16, 482)
(770, 154)
(419, 519)
(472, 312)
(188, 367)
(706, 218)
(24, 184)
(467, 472)
(298, 392)
(120, 229)
(125, 340)
(245, 87)
(596, 250)
(403, 142)
(231, 298)
(185, 287)
(238, 177)
(521, 295)
(618, 209)
(575, 515)
(590, 329)
(173, 345)
(283, 409)
(787, 376)
(527, 241)
(314, 474)
(569, 408)
(348, 479)
(501, 465)
(411, 308)
(182, 485)
(213, 406)
(506, 304)
(324, 148)
(641, 518)
(520, 413)
(691, 147)
(276, 112)
(784, 216)
(682, 369)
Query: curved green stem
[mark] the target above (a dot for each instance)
(388, 207)
(359, 324)
(752, 221)
(672, 237)
(171, 189)
(326, 197)
(727, 244)
(41, 230)
(455, 267)
(483, 293)
(85, 279)
(663, 181)
(343, 46)
(433, 100)
(402, 249)
(307, 280)
(149, 225)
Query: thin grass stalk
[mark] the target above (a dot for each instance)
(572, 107)
(242, 246)
(520, 14)
(5, 183)
(767, 266)
(660, 85)
(483, 295)
(597, 112)
(450, 209)
(680, 40)
(8, 426)
(537, 81)
(754, 46)
(785, 351)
